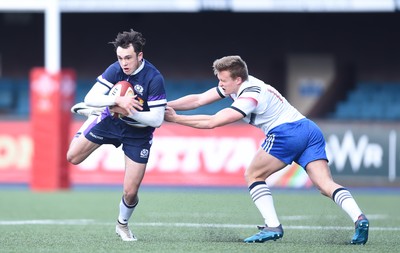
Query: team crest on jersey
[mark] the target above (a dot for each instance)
(144, 153)
(138, 89)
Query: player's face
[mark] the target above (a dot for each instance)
(128, 59)
(227, 83)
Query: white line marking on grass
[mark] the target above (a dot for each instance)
(296, 217)
(165, 224)
(48, 222)
(208, 225)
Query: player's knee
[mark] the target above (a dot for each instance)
(72, 158)
(130, 196)
(326, 194)
(324, 190)
(247, 176)
(251, 177)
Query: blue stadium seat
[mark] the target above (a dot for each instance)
(23, 98)
(82, 88)
(370, 101)
(347, 110)
(7, 95)
(392, 112)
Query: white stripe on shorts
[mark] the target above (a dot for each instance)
(268, 143)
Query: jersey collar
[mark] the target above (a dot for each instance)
(138, 69)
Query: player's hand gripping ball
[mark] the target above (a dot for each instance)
(122, 88)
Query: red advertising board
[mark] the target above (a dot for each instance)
(182, 155)
(16, 150)
(179, 156)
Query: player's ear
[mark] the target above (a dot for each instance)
(238, 80)
(140, 56)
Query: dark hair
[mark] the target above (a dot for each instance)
(234, 64)
(126, 38)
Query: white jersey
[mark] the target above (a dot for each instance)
(263, 106)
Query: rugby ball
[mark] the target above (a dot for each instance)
(122, 88)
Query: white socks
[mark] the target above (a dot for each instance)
(343, 198)
(262, 198)
(125, 211)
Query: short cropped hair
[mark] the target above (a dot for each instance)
(126, 38)
(234, 64)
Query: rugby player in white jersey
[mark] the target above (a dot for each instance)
(143, 113)
(290, 137)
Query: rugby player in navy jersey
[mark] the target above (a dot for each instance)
(142, 114)
(290, 137)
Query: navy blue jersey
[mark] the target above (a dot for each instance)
(147, 82)
(135, 137)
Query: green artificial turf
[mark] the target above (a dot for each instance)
(190, 220)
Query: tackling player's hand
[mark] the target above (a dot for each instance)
(169, 114)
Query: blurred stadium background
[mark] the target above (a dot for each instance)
(337, 61)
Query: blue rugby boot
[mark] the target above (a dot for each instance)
(266, 234)
(361, 233)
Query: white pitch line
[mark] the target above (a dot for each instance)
(48, 222)
(165, 224)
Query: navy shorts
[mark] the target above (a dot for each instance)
(301, 141)
(136, 142)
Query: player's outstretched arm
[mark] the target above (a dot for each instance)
(221, 118)
(194, 101)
